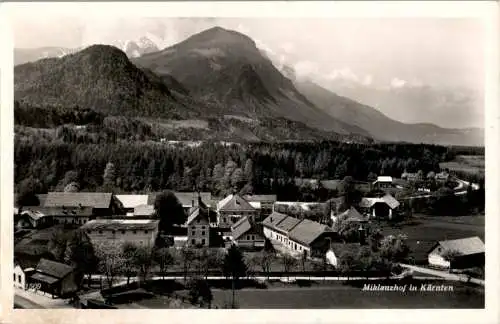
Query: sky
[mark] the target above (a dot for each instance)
(379, 51)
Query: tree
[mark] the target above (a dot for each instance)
(163, 259)
(288, 262)
(371, 177)
(234, 266)
(187, 257)
(451, 254)
(109, 176)
(248, 171)
(143, 259)
(80, 254)
(200, 292)
(111, 259)
(129, 267)
(72, 187)
(237, 178)
(394, 248)
(169, 210)
(28, 188)
(57, 244)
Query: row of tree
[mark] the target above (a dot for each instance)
(259, 168)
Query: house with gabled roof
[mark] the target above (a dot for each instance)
(55, 278)
(246, 233)
(379, 207)
(298, 236)
(198, 225)
(231, 209)
(102, 204)
(351, 215)
(460, 253)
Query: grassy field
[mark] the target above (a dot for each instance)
(428, 230)
(342, 296)
(473, 164)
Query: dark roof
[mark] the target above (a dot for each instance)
(45, 278)
(234, 203)
(54, 269)
(60, 211)
(288, 223)
(196, 213)
(273, 219)
(76, 199)
(466, 246)
(185, 198)
(260, 198)
(241, 227)
(307, 231)
(121, 224)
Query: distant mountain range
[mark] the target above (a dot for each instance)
(213, 74)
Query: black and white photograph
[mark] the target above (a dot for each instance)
(223, 163)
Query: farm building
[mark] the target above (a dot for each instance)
(37, 217)
(55, 278)
(379, 207)
(198, 225)
(142, 232)
(298, 236)
(31, 217)
(130, 202)
(455, 254)
(383, 182)
(246, 233)
(231, 209)
(102, 204)
(263, 203)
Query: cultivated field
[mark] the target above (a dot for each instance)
(473, 164)
(425, 231)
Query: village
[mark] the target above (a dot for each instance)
(137, 243)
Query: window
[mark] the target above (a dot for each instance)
(253, 237)
(193, 242)
(203, 233)
(14, 277)
(146, 232)
(100, 232)
(203, 241)
(198, 220)
(123, 232)
(203, 227)
(193, 227)
(135, 232)
(19, 278)
(193, 233)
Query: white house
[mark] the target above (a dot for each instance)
(19, 277)
(198, 225)
(141, 232)
(298, 236)
(383, 182)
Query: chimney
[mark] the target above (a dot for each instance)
(199, 199)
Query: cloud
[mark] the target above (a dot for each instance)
(398, 83)
(368, 80)
(306, 69)
(288, 47)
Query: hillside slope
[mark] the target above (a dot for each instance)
(382, 127)
(102, 78)
(225, 68)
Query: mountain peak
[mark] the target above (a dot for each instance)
(219, 35)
